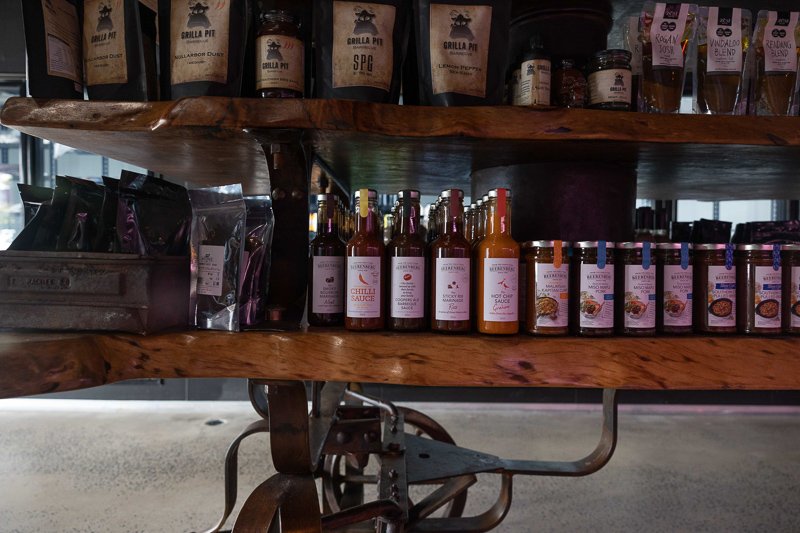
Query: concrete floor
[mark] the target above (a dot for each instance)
(103, 466)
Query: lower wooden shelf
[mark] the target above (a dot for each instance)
(36, 363)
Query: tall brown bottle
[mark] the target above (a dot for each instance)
(450, 269)
(406, 264)
(364, 266)
(326, 280)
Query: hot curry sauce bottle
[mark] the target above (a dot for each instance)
(406, 263)
(364, 267)
(326, 281)
(497, 265)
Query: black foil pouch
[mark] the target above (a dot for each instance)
(53, 44)
(360, 48)
(218, 235)
(153, 216)
(256, 260)
(706, 231)
(32, 198)
(81, 216)
(106, 240)
(41, 234)
(461, 51)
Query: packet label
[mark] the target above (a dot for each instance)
(210, 264)
(459, 48)
(199, 41)
(724, 38)
(363, 45)
(780, 44)
(63, 40)
(666, 34)
(104, 52)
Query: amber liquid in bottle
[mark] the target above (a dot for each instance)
(407, 271)
(497, 265)
(662, 87)
(364, 268)
(717, 93)
(450, 269)
(326, 280)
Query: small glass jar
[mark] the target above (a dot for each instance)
(280, 56)
(636, 288)
(791, 287)
(674, 286)
(610, 83)
(714, 288)
(569, 85)
(547, 287)
(592, 289)
(759, 288)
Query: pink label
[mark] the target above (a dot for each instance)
(596, 297)
(721, 296)
(640, 297)
(677, 296)
(724, 38)
(408, 287)
(666, 34)
(552, 295)
(780, 44)
(328, 278)
(500, 290)
(452, 289)
(769, 287)
(364, 287)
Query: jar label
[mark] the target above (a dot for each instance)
(721, 296)
(364, 287)
(634, 45)
(210, 263)
(408, 287)
(452, 289)
(666, 34)
(677, 295)
(768, 292)
(534, 82)
(794, 299)
(199, 41)
(596, 297)
(363, 45)
(610, 86)
(279, 63)
(552, 296)
(501, 290)
(328, 280)
(104, 55)
(724, 38)
(63, 40)
(780, 42)
(640, 297)
(459, 48)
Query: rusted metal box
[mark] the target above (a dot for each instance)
(91, 291)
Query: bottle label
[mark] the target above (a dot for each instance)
(210, 263)
(501, 290)
(452, 289)
(634, 45)
(724, 38)
(666, 34)
(63, 40)
(363, 45)
(721, 296)
(408, 287)
(104, 55)
(552, 296)
(199, 41)
(364, 287)
(794, 302)
(597, 297)
(780, 43)
(610, 86)
(534, 84)
(768, 288)
(640, 297)
(279, 63)
(328, 279)
(677, 295)
(459, 47)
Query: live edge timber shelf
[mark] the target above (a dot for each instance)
(390, 147)
(35, 363)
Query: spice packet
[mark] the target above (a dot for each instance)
(41, 234)
(257, 259)
(81, 215)
(32, 199)
(106, 240)
(773, 66)
(218, 244)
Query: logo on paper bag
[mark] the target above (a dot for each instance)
(104, 22)
(197, 16)
(364, 22)
(459, 29)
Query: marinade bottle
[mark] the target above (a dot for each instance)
(407, 272)
(280, 54)
(450, 269)
(326, 281)
(364, 266)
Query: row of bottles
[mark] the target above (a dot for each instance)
(442, 281)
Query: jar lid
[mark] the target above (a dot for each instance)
(412, 193)
(616, 53)
(592, 244)
(478, 202)
(474, 205)
(327, 197)
(705, 247)
(672, 245)
(485, 198)
(756, 247)
(493, 193)
(449, 192)
(630, 245)
(371, 193)
(790, 247)
(545, 244)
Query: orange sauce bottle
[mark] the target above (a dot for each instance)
(364, 267)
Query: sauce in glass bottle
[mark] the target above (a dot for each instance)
(674, 287)
(714, 289)
(636, 286)
(326, 281)
(407, 272)
(450, 269)
(497, 266)
(759, 289)
(280, 55)
(364, 267)
(547, 287)
(592, 289)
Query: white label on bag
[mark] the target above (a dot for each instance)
(780, 45)
(677, 296)
(597, 297)
(640, 297)
(210, 264)
(364, 287)
(459, 48)
(768, 297)
(500, 290)
(666, 34)
(721, 296)
(199, 41)
(408, 287)
(363, 45)
(724, 39)
(552, 294)
(328, 296)
(452, 289)
(63, 41)
(104, 53)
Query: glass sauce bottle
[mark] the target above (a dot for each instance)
(326, 280)
(592, 289)
(714, 289)
(365, 267)
(547, 287)
(280, 54)
(407, 272)
(675, 285)
(636, 286)
(759, 289)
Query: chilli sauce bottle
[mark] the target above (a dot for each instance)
(450, 268)
(326, 282)
(364, 266)
(497, 265)
(407, 272)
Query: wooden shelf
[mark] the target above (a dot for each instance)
(218, 140)
(35, 363)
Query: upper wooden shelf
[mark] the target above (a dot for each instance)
(35, 363)
(218, 140)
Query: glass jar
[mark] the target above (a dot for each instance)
(280, 56)
(592, 289)
(365, 267)
(534, 76)
(569, 85)
(610, 85)
(791, 287)
(407, 271)
(674, 286)
(636, 288)
(714, 288)
(546, 287)
(759, 288)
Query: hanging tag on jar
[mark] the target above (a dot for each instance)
(557, 247)
(363, 203)
(601, 255)
(646, 262)
(684, 256)
(776, 257)
(501, 208)
(729, 256)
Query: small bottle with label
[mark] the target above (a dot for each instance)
(451, 269)
(534, 76)
(592, 298)
(636, 288)
(714, 288)
(326, 281)
(280, 56)
(364, 267)
(569, 85)
(547, 287)
(497, 266)
(675, 287)
(407, 272)
(791, 287)
(759, 288)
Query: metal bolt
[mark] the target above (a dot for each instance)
(297, 194)
(342, 437)
(393, 447)
(393, 474)
(370, 437)
(278, 193)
